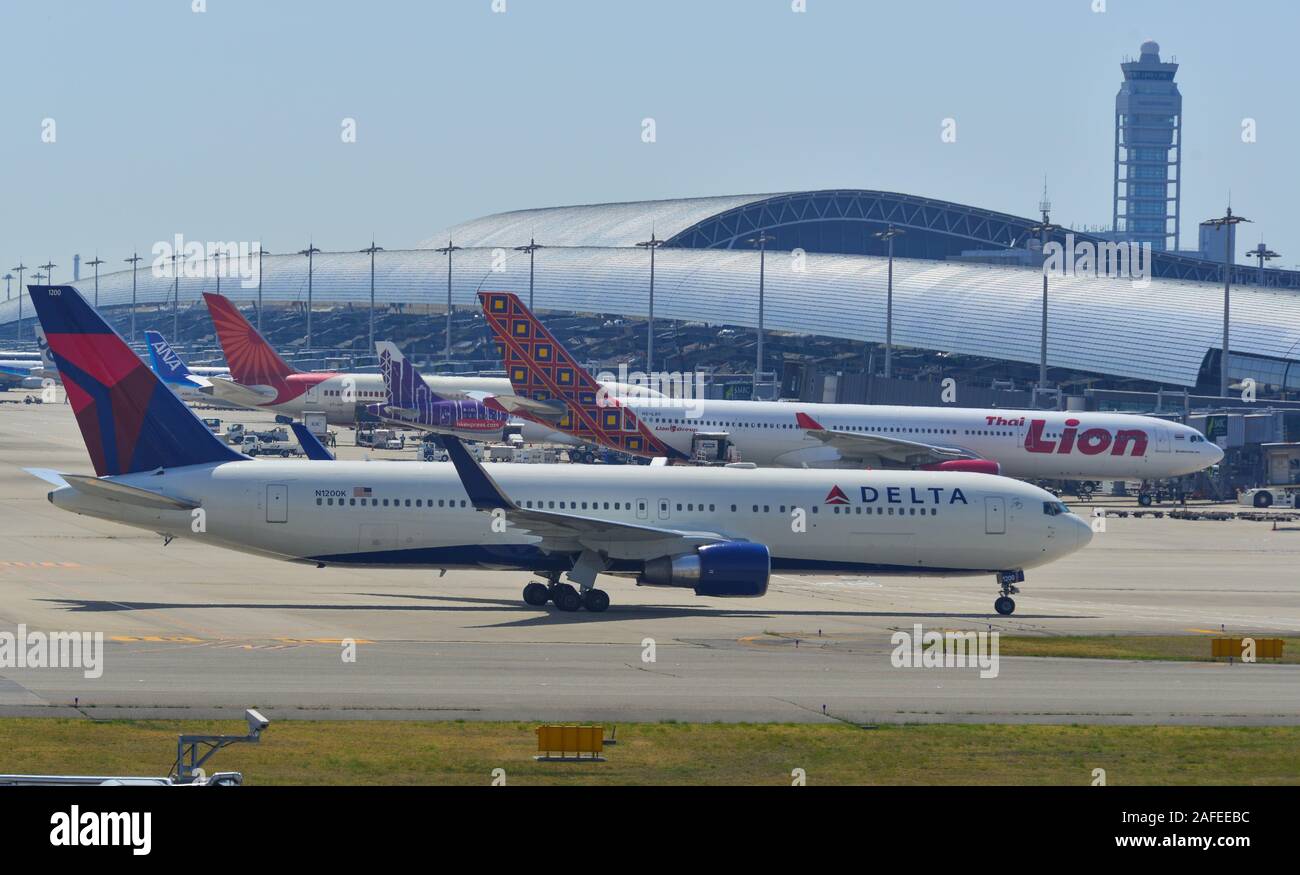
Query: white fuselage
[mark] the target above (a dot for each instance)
(337, 395)
(417, 514)
(1026, 443)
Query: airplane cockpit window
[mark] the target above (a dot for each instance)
(1054, 508)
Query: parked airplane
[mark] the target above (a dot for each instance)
(264, 380)
(28, 370)
(1019, 443)
(192, 384)
(22, 373)
(719, 531)
(410, 402)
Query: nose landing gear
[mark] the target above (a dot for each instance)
(1007, 580)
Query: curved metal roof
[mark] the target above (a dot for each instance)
(614, 224)
(826, 220)
(1105, 326)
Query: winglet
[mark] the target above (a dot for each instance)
(806, 421)
(483, 491)
(311, 444)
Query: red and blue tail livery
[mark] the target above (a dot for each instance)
(130, 421)
(539, 367)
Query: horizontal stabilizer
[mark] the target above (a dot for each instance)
(113, 491)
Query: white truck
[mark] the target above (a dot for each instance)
(275, 442)
(380, 439)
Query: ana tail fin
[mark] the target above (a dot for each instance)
(164, 360)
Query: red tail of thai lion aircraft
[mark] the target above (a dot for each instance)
(541, 369)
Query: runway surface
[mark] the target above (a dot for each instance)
(193, 631)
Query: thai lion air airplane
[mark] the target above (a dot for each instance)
(1019, 443)
(718, 531)
(263, 380)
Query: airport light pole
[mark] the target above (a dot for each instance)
(1263, 253)
(888, 236)
(531, 249)
(447, 251)
(310, 252)
(1225, 222)
(17, 330)
(761, 242)
(260, 252)
(652, 244)
(133, 261)
(371, 251)
(176, 300)
(8, 278)
(1043, 229)
(95, 264)
(49, 271)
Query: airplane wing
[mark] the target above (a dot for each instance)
(565, 532)
(881, 448)
(236, 393)
(547, 412)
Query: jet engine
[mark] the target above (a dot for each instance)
(732, 569)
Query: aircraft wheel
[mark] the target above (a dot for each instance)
(1005, 605)
(595, 600)
(1263, 499)
(536, 594)
(566, 597)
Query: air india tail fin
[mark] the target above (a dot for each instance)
(541, 369)
(129, 419)
(252, 360)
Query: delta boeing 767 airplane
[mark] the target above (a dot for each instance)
(718, 531)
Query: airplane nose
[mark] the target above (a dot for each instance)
(1216, 453)
(1082, 533)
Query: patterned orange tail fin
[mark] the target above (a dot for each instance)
(251, 359)
(540, 368)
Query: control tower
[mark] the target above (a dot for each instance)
(1148, 152)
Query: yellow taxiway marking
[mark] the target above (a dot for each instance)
(228, 642)
(39, 565)
(156, 639)
(1205, 631)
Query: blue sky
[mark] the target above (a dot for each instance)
(225, 124)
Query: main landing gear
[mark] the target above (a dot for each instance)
(565, 596)
(1007, 580)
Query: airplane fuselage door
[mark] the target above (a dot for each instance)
(995, 515)
(642, 509)
(277, 503)
(1162, 439)
(665, 508)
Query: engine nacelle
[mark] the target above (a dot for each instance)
(971, 466)
(735, 569)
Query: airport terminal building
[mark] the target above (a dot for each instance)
(966, 282)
